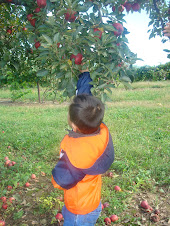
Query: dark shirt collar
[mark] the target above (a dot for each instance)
(78, 135)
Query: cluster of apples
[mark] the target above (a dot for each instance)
(155, 216)
(135, 6)
(5, 201)
(113, 217)
(8, 162)
(32, 20)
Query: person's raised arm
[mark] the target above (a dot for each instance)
(83, 86)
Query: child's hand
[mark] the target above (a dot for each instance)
(85, 70)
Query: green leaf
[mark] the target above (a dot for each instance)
(48, 39)
(2, 63)
(125, 79)
(42, 73)
(109, 27)
(56, 37)
(167, 50)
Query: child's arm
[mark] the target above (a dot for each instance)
(65, 175)
(83, 86)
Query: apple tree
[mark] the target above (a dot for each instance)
(66, 36)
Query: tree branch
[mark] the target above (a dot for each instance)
(16, 2)
(158, 12)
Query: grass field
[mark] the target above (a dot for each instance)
(31, 133)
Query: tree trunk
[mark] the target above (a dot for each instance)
(38, 88)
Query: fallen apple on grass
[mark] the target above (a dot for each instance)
(2, 223)
(106, 204)
(144, 204)
(4, 206)
(107, 221)
(59, 216)
(6, 158)
(114, 218)
(3, 199)
(9, 188)
(11, 199)
(117, 188)
(7, 162)
(33, 176)
(27, 184)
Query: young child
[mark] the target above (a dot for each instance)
(85, 153)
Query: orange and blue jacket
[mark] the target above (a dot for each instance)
(83, 158)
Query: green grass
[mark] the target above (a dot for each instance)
(138, 120)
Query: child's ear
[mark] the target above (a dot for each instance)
(74, 127)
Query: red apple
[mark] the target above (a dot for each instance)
(107, 221)
(119, 28)
(78, 59)
(58, 44)
(29, 17)
(13, 163)
(9, 147)
(33, 176)
(128, 6)
(106, 204)
(4, 206)
(24, 29)
(7, 162)
(72, 17)
(3, 198)
(113, 8)
(2, 223)
(136, 7)
(144, 204)
(114, 218)
(59, 216)
(100, 32)
(32, 22)
(6, 158)
(110, 174)
(9, 188)
(11, 199)
(9, 31)
(121, 8)
(117, 188)
(27, 185)
(37, 10)
(3, 131)
(118, 44)
(41, 3)
(37, 45)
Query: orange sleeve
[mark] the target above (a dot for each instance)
(55, 184)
